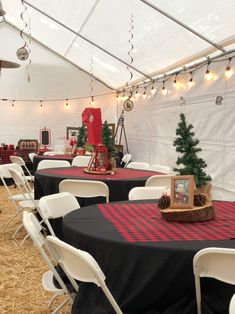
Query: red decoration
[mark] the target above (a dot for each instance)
(92, 118)
(99, 161)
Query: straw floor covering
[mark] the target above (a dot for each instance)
(21, 269)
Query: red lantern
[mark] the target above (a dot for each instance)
(99, 162)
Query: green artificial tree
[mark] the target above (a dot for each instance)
(108, 140)
(186, 145)
(82, 136)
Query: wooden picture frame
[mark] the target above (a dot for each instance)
(182, 191)
(112, 127)
(71, 132)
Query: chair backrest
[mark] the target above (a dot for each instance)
(43, 164)
(138, 165)
(232, 305)
(81, 161)
(56, 206)
(33, 228)
(20, 161)
(81, 266)
(161, 168)
(85, 188)
(22, 184)
(31, 156)
(53, 153)
(126, 159)
(159, 180)
(215, 263)
(146, 192)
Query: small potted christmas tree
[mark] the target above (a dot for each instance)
(108, 141)
(81, 140)
(189, 162)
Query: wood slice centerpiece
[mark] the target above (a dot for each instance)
(196, 214)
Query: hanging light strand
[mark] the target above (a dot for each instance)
(130, 41)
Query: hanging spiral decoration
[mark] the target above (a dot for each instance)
(130, 41)
(22, 53)
(29, 50)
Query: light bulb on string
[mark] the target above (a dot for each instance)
(92, 100)
(117, 95)
(13, 103)
(191, 82)
(228, 71)
(153, 90)
(164, 90)
(41, 104)
(137, 94)
(67, 103)
(175, 82)
(208, 75)
(144, 94)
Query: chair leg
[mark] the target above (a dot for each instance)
(57, 310)
(25, 238)
(17, 230)
(9, 221)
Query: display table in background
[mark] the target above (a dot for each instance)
(148, 262)
(39, 158)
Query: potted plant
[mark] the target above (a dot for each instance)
(81, 140)
(108, 141)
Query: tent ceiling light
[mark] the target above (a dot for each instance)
(2, 13)
(8, 64)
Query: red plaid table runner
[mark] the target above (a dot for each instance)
(57, 157)
(120, 174)
(143, 223)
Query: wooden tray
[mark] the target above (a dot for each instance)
(98, 172)
(200, 213)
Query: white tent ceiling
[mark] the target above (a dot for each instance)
(99, 30)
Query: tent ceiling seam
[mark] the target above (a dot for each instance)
(65, 59)
(86, 39)
(82, 26)
(172, 18)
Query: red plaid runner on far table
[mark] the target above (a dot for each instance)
(143, 223)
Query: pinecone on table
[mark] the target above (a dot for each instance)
(164, 201)
(199, 199)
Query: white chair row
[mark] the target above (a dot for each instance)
(147, 166)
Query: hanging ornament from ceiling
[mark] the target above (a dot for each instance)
(91, 82)
(22, 53)
(128, 103)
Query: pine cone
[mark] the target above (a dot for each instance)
(199, 199)
(164, 201)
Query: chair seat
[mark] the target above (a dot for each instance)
(29, 204)
(22, 197)
(48, 283)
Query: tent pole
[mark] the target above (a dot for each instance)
(89, 41)
(183, 25)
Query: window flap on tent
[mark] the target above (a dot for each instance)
(158, 42)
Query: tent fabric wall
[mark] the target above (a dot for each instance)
(151, 127)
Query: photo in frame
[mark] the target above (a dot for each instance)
(182, 191)
(71, 132)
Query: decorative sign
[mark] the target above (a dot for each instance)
(45, 137)
(22, 54)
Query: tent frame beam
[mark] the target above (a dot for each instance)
(183, 25)
(87, 40)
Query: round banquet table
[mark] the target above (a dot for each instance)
(147, 260)
(47, 181)
(37, 159)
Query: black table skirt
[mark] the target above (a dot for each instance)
(144, 278)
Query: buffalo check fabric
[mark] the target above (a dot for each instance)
(143, 223)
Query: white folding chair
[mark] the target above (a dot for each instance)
(25, 189)
(81, 161)
(232, 305)
(18, 160)
(31, 156)
(81, 266)
(146, 192)
(160, 168)
(215, 263)
(43, 164)
(126, 159)
(13, 197)
(160, 180)
(34, 229)
(85, 188)
(138, 165)
(56, 206)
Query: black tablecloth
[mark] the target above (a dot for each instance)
(47, 181)
(144, 276)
